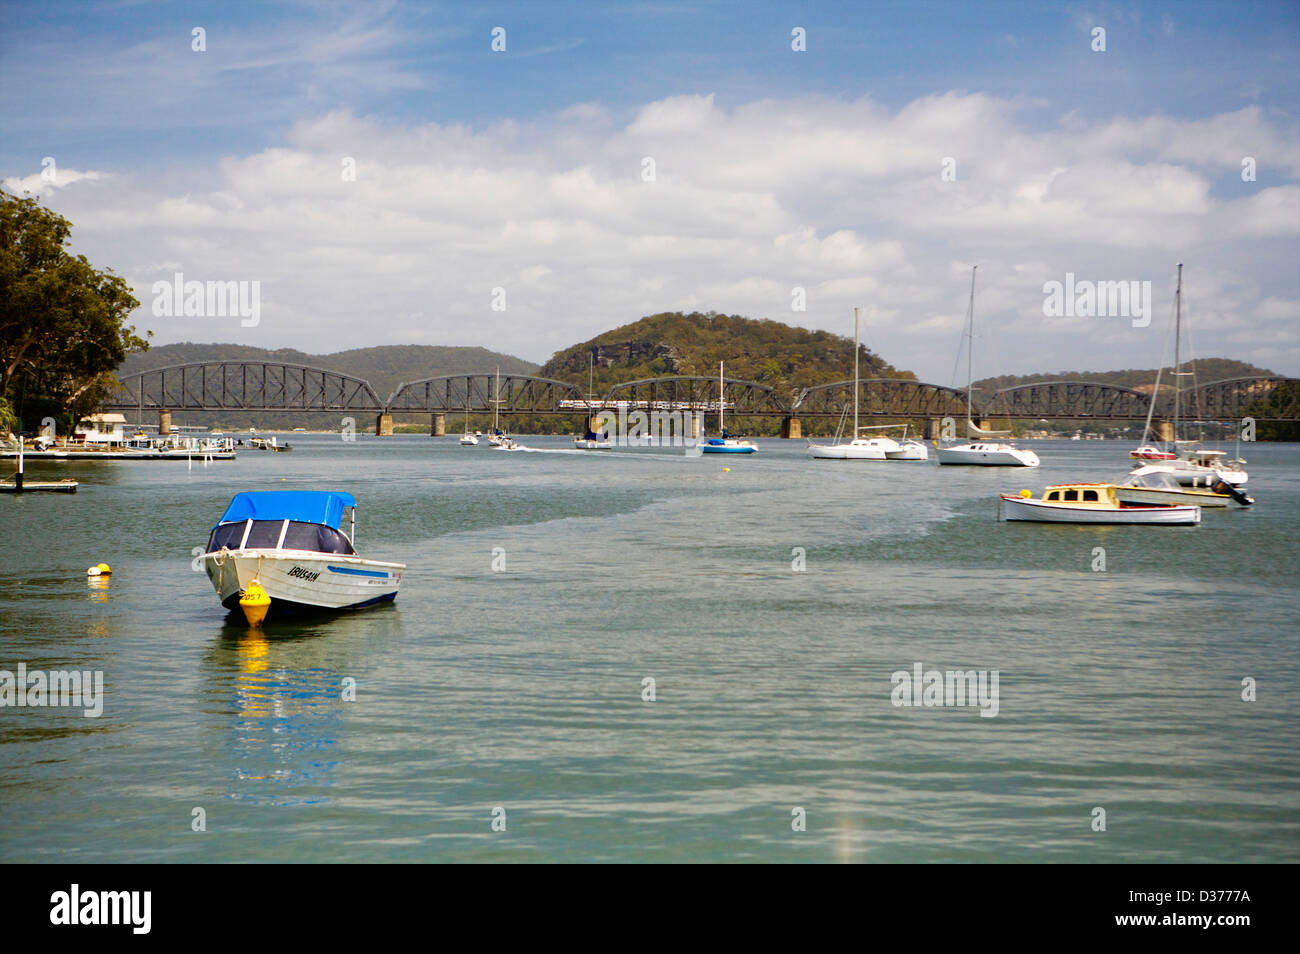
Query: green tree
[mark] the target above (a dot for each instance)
(62, 330)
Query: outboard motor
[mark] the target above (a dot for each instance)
(1221, 486)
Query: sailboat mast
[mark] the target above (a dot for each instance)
(970, 343)
(855, 374)
(496, 404)
(1178, 356)
(722, 400)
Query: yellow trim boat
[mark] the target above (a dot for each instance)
(1095, 504)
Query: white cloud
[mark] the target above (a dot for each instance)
(843, 198)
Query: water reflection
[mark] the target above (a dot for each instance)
(282, 696)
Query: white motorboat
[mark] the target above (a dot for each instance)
(1092, 504)
(979, 450)
(724, 444)
(1151, 484)
(592, 441)
(1198, 467)
(289, 543)
(468, 440)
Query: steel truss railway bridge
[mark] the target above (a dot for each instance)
(269, 386)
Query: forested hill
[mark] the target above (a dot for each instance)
(1208, 370)
(384, 367)
(778, 355)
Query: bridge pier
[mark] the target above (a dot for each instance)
(984, 424)
(933, 428)
(164, 422)
(791, 428)
(384, 425)
(438, 425)
(1164, 431)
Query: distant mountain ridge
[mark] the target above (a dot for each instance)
(385, 366)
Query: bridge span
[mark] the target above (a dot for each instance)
(258, 386)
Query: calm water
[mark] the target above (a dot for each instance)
(522, 689)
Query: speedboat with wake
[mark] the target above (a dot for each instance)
(284, 551)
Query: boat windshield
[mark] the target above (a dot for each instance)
(265, 535)
(1156, 480)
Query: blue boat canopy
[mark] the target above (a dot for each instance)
(305, 506)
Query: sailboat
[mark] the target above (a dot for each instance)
(724, 444)
(858, 448)
(590, 440)
(1189, 463)
(978, 451)
(496, 438)
(467, 439)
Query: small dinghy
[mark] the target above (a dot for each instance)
(281, 551)
(1095, 504)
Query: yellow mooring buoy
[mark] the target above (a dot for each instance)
(101, 569)
(254, 602)
(1026, 493)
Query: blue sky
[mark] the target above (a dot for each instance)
(173, 158)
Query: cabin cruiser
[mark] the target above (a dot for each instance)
(1153, 484)
(1195, 466)
(289, 544)
(1094, 504)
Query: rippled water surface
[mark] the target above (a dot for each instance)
(1119, 689)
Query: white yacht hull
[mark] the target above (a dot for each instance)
(845, 452)
(978, 456)
(909, 450)
(302, 578)
(1026, 508)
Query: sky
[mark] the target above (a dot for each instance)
(385, 176)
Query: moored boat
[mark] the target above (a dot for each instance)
(860, 448)
(1153, 484)
(724, 444)
(979, 450)
(289, 543)
(1092, 504)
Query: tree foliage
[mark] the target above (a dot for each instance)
(62, 330)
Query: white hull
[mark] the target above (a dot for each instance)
(303, 578)
(1196, 475)
(909, 450)
(1144, 495)
(855, 451)
(1023, 508)
(987, 455)
(469, 440)
(580, 444)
